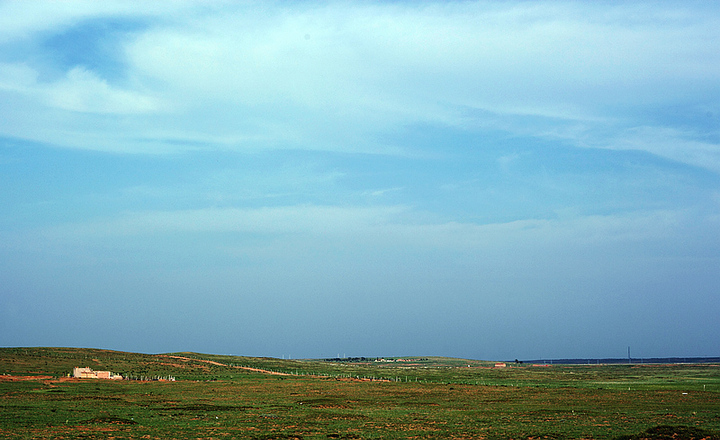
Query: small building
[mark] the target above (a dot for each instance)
(89, 373)
(500, 365)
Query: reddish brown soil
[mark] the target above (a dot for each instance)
(8, 378)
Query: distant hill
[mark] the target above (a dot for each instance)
(60, 361)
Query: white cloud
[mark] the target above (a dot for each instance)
(408, 59)
(395, 57)
(83, 91)
(334, 76)
(80, 90)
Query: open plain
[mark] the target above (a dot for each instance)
(222, 397)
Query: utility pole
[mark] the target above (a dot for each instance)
(629, 358)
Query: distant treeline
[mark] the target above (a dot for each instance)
(667, 360)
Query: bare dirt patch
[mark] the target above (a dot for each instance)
(9, 378)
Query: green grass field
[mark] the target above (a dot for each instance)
(222, 397)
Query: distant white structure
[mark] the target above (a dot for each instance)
(89, 373)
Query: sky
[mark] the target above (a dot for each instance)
(490, 180)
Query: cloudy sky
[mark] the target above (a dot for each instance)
(490, 180)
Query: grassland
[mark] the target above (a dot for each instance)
(238, 397)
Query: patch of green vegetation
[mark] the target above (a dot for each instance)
(217, 396)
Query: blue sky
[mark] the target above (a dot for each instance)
(491, 180)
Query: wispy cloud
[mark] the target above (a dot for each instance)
(396, 227)
(670, 143)
(83, 91)
(337, 76)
